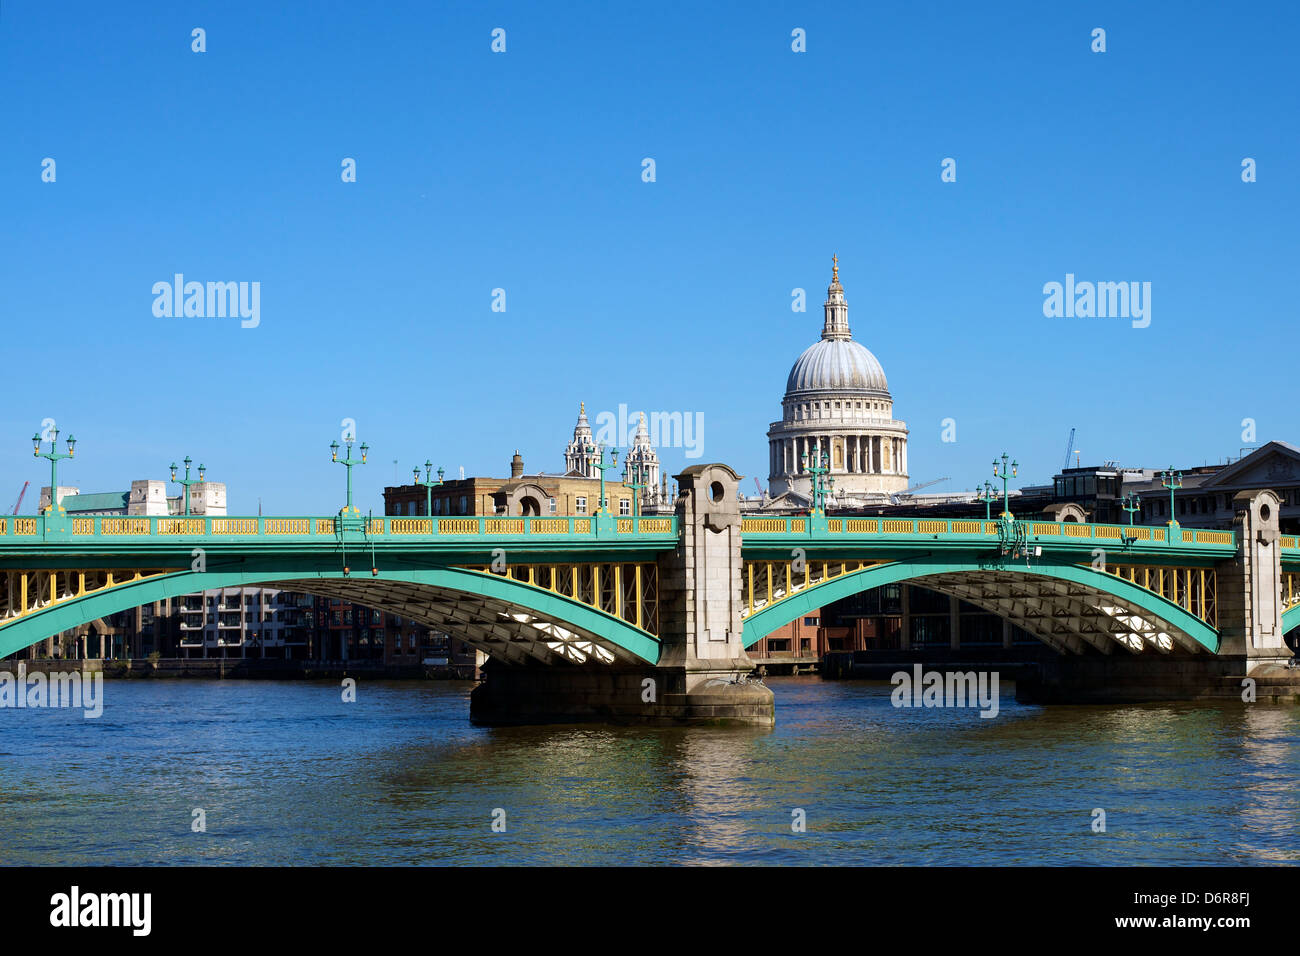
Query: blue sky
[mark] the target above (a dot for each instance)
(522, 171)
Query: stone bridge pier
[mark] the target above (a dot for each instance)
(701, 676)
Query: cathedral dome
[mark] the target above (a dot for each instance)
(836, 365)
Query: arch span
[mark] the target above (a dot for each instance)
(1291, 618)
(1069, 607)
(505, 618)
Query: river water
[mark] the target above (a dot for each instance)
(287, 773)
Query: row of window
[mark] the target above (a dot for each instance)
(808, 409)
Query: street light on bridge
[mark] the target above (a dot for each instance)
(1173, 480)
(349, 462)
(602, 465)
(822, 480)
(54, 458)
(1132, 504)
(428, 483)
(988, 494)
(634, 475)
(1006, 494)
(187, 480)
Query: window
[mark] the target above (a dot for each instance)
(624, 506)
(580, 505)
(551, 504)
(810, 621)
(464, 505)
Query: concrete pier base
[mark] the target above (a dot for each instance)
(1116, 680)
(663, 696)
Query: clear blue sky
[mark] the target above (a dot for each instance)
(522, 171)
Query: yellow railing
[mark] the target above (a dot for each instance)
(1214, 537)
(79, 526)
(895, 526)
(324, 525)
(24, 525)
(288, 526)
(231, 525)
(762, 525)
(129, 526)
(550, 525)
(412, 526)
(178, 525)
(457, 526)
(504, 525)
(1288, 541)
(657, 525)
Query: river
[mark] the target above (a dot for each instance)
(287, 773)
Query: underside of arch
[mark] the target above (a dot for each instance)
(506, 619)
(1070, 608)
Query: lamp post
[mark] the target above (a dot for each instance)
(820, 467)
(1006, 494)
(1132, 504)
(1172, 480)
(187, 480)
(634, 478)
(602, 465)
(428, 483)
(54, 458)
(349, 462)
(988, 494)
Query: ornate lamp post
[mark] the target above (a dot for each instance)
(187, 480)
(1132, 504)
(988, 495)
(819, 469)
(349, 462)
(428, 483)
(54, 458)
(634, 478)
(602, 465)
(1172, 480)
(1006, 494)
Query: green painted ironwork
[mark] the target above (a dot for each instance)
(761, 623)
(67, 614)
(54, 458)
(1173, 480)
(428, 483)
(822, 481)
(602, 465)
(187, 481)
(349, 463)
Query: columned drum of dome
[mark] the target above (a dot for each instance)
(837, 402)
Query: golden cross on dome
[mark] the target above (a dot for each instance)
(835, 268)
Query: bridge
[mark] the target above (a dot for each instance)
(649, 618)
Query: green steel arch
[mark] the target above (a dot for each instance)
(761, 623)
(1291, 618)
(72, 612)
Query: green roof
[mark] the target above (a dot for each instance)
(105, 501)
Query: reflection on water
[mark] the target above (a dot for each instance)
(288, 774)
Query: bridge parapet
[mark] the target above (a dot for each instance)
(38, 531)
(1173, 541)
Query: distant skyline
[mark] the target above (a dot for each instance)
(522, 171)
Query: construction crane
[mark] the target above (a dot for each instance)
(1069, 449)
(758, 486)
(19, 503)
(907, 493)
